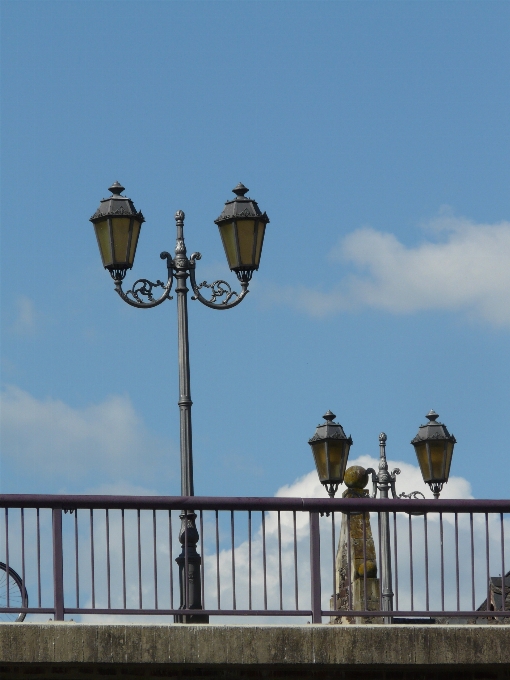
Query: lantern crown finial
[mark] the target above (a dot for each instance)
(116, 189)
(432, 416)
(240, 190)
(329, 416)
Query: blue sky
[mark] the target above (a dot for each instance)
(376, 137)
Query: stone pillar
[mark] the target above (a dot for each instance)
(356, 479)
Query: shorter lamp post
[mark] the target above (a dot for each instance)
(434, 449)
(242, 225)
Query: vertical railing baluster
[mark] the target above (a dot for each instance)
(315, 567)
(140, 601)
(217, 559)
(264, 556)
(296, 594)
(108, 588)
(457, 559)
(7, 572)
(349, 562)
(473, 599)
(249, 560)
(365, 607)
(92, 575)
(202, 553)
(155, 558)
(185, 576)
(170, 550)
(23, 581)
(77, 558)
(58, 564)
(233, 560)
(380, 558)
(333, 552)
(123, 538)
(280, 560)
(442, 558)
(411, 574)
(38, 559)
(503, 572)
(487, 561)
(395, 550)
(426, 534)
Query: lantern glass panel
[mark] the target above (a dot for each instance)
(120, 229)
(319, 453)
(260, 240)
(103, 239)
(337, 460)
(449, 454)
(134, 241)
(437, 459)
(228, 236)
(423, 460)
(246, 236)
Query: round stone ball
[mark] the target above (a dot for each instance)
(356, 477)
(371, 569)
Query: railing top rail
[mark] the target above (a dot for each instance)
(71, 502)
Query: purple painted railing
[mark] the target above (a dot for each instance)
(261, 557)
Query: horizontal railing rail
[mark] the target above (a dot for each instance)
(272, 557)
(251, 503)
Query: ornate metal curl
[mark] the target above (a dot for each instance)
(413, 494)
(218, 289)
(142, 288)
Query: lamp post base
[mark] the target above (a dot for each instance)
(189, 562)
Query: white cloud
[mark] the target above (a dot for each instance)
(464, 269)
(25, 321)
(61, 446)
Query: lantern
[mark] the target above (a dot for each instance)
(242, 227)
(330, 448)
(434, 449)
(117, 226)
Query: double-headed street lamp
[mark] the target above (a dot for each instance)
(242, 225)
(434, 450)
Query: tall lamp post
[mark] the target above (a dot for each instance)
(242, 225)
(434, 450)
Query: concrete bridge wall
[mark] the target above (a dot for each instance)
(70, 651)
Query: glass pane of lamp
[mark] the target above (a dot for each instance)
(319, 453)
(134, 241)
(120, 228)
(437, 459)
(246, 236)
(423, 460)
(228, 237)
(103, 239)
(260, 240)
(336, 460)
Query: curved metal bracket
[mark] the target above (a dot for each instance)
(374, 481)
(391, 479)
(218, 289)
(142, 288)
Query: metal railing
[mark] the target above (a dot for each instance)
(261, 557)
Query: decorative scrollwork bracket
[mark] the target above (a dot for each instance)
(142, 288)
(219, 289)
